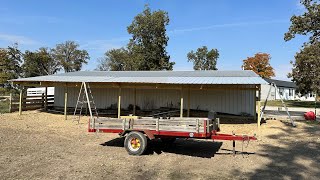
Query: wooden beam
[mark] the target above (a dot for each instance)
(20, 101)
(28, 84)
(259, 108)
(188, 113)
(259, 95)
(46, 99)
(10, 103)
(65, 102)
(181, 103)
(119, 103)
(134, 101)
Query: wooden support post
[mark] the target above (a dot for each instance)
(197, 126)
(134, 101)
(42, 101)
(20, 101)
(119, 103)
(124, 124)
(259, 107)
(181, 104)
(10, 102)
(255, 105)
(65, 102)
(46, 99)
(188, 113)
(315, 105)
(259, 110)
(157, 125)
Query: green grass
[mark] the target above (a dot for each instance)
(4, 107)
(305, 104)
(315, 123)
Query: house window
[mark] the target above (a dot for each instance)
(290, 92)
(281, 91)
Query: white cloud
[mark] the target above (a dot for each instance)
(17, 39)
(29, 19)
(103, 45)
(183, 30)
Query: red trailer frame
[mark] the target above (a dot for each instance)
(156, 133)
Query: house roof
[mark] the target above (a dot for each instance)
(280, 83)
(161, 77)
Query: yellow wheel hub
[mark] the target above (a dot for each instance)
(135, 143)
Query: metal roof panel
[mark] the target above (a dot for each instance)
(161, 77)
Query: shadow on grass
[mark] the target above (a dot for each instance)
(189, 147)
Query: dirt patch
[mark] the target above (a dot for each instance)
(45, 146)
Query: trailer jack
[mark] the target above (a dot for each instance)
(233, 138)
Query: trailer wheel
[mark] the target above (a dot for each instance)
(135, 143)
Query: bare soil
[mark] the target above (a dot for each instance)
(39, 145)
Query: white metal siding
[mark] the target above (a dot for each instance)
(264, 92)
(227, 100)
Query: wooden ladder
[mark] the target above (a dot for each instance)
(283, 104)
(87, 98)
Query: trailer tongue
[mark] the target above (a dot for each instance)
(137, 131)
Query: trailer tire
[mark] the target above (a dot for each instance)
(135, 143)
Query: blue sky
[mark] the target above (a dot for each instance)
(238, 29)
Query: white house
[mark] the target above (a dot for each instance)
(286, 89)
(38, 91)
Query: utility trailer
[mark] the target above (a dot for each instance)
(137, 131)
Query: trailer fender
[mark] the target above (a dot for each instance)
(146, 132)
(149, 134)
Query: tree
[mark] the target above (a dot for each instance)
(118, 60)
(306, 24)
(146, 49)
(69, 56)
(149, 39)
(259, 64)
(203, 59)
(10, 59)
(39, 63)
(306, 69)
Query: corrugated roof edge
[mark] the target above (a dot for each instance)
(106, 75)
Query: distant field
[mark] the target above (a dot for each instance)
(306, 104)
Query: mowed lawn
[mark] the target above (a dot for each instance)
(293, 103)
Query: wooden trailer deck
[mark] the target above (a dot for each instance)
(192, 125)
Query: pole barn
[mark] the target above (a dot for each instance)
(134, 92)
